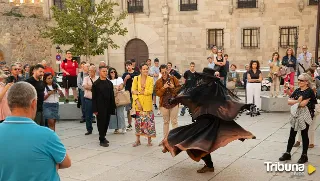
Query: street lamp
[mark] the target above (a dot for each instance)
(58, 56)
(317, 34)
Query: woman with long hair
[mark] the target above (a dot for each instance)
(142, 89)
(52, 93)
(290, 63)
(274, 65)
(254, 77)
(118, 121)
(302, 102)
(220, 64)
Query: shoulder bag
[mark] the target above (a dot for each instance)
(122, 98)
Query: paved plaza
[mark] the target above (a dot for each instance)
(238, 161)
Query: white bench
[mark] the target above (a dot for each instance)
(272, 104)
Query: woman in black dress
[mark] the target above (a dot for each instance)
(213, 108)
(220, 64)
(303, 97)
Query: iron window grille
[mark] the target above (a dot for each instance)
(288, 36)
(247, 3)
(59, 4)
(188, 5)
(250, 38)
(215, 38)
(135, 6)
(313, 2)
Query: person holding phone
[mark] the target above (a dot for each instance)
(166, 88)
(52, 93)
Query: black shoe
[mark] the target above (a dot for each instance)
(303, 159)
(182, 114)
(83, 121)
(104, 144)
(76, 100)
(88, 133)
(66, 101)
(285, 156)
(94, 121)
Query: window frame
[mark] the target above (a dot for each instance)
(312, 3)
(217, 33)
(243, 39)
(287, 44)
(136, 8)
(59, 4)
(246, 4)
(190, 6)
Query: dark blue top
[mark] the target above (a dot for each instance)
(286, 61)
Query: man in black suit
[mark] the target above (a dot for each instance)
(103, 103)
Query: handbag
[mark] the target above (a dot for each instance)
(231, 85)
(122, 98)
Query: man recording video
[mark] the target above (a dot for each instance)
(14, 74)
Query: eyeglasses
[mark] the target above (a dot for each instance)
(301, 80)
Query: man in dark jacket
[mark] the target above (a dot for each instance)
(35, 80)
(103, 104)
(173, 72)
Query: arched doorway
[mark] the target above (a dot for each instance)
(138, 50)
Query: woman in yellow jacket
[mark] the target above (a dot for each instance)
(142, 89)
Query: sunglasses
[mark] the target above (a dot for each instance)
(112, 72)
(5, 70)
(301, 80)
(3, 63)
(16, 69)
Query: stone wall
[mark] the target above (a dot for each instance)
(20, 38)
(187, 30)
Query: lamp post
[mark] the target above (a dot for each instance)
(317, 34)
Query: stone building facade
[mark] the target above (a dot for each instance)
(174, 35)
(179, 31)
(20, 38)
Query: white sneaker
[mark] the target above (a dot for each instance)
(124, 131)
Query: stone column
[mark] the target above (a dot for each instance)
(165, 13)
(46, 4)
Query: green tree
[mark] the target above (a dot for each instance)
(86, 26)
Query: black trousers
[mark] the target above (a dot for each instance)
(207, 160)
(103, 124)
(305, 139)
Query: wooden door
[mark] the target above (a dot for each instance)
(138, 50)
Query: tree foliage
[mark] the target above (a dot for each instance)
(87, 27)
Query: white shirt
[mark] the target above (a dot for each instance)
(117, 81)
(53, 98)
(87, 82)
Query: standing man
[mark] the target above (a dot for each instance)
(36, 81)
(47, 68)
(214, 53)
(103, 104)
(173, 72)
(81, 76)
(154, 72)
(87, 86)
(167, 87)
(135, 67)
(189, 80)
(127, 82)
(304, 60)
(14, 77)
(69, 68)
(38, 150)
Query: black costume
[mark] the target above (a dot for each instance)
(103, 102)
(213, 108)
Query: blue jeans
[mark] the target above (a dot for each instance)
(83, 105)
(89, 113)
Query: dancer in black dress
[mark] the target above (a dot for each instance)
(213, 108)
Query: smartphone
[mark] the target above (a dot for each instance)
(168, 80)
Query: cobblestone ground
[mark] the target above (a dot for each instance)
(238, 161)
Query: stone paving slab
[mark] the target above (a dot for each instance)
(238, 161)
